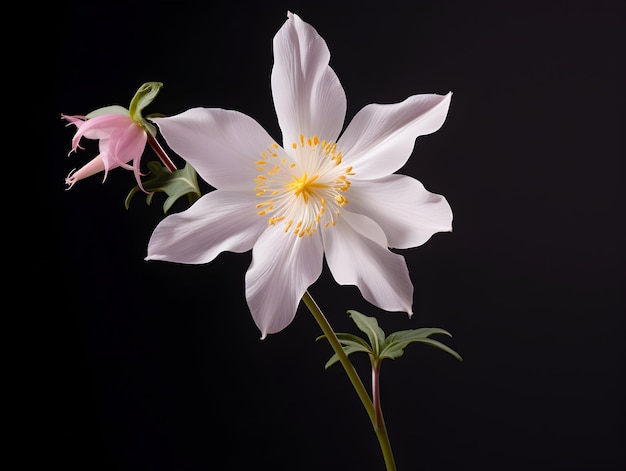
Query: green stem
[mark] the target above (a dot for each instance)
(375, 415)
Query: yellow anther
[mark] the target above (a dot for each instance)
(342, 200)
(261, 162)
(294, 146)
(265, 203)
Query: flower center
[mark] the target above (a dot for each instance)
(304, 188)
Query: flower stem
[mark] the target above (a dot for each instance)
(375, 414)
(161, 153)
(378, 412)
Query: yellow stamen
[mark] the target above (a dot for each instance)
(308, 198)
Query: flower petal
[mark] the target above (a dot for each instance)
(221, 145)
(100, 127)
(283, 267)
(123, 145)
(94, 166)
(380, 138)
(308, 97)
(355, 258)
(407, 212)
(219, 221)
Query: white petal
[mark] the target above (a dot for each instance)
(219, 221)
(355, 259)
(283, 267)
(380, 138)
(222, 145)
(408, 213)
(308, 97)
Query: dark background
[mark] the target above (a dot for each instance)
(156, 366)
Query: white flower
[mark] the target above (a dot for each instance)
(317, 195)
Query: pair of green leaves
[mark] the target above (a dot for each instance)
(380, 346)
(175, 184)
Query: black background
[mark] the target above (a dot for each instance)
(156, 366)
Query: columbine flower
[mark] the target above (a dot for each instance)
(121, 140)
(316, 195)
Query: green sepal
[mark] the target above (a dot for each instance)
(112, 109)
(143, 97)
(175, 184)
(395, 343)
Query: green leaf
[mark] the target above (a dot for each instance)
(347, 338)
(348, 349)
(441, 346)
(369, 325)
(396, 342)
(404, 335)
(175, 184)
(143, 97)
(349, 343)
